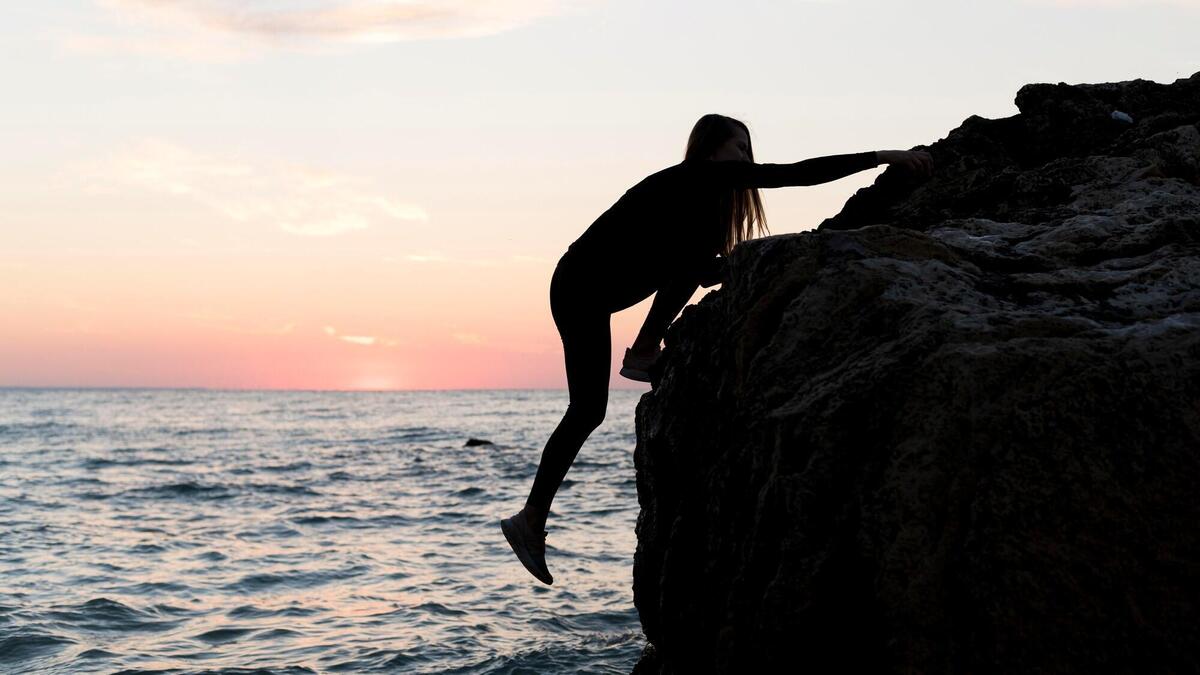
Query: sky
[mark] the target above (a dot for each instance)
(372, 194)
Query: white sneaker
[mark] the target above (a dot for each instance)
(637, 367)
(529, 546)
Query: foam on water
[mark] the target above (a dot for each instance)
(207, 531)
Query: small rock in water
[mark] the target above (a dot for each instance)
(472, 442)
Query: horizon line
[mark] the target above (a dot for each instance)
(279, 389)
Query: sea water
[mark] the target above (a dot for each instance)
(186, 531)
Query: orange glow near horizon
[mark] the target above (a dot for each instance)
(93, 322)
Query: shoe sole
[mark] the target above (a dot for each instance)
(517, 542)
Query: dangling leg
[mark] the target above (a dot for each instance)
(582, 320)
(587, 350)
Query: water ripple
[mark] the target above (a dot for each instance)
(190, 531)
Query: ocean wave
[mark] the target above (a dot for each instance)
(218, 635)
(185, 490)
(21, 646)
(104, 614)
(191, 489)
(40, 430)
(612, 655)
(280, 488)
(255, 612)
(396, 435)
(121, 449)
(289, 467)
(105, 462)
(321, 520)
(438, 608)
(295, 579)
(152, 588)
(200, 431)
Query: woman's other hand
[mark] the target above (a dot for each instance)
(638, 361)
(918, 162)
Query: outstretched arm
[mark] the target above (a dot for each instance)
(668, 302)
(816, 170)
(812, 171)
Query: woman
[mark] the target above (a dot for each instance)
(664, 234)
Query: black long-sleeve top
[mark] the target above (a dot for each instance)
(668, 226)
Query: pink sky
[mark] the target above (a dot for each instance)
(339, 194)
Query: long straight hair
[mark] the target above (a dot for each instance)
(742, 209)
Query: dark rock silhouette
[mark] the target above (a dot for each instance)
(472, 442)
(963, 437)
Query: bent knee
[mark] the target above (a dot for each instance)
(589, 415)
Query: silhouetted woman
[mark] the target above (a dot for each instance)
(665, 234)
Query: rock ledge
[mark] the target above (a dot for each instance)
(954, 429)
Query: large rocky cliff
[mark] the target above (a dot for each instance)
(955, 429)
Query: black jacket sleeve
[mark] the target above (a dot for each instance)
(813, 171)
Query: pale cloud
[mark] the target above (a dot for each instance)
(345, 222)
(364, 340)
(299, 200)
(292, 21)
(468, 338)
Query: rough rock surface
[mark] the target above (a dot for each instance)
(956, 429)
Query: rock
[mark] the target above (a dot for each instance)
(956, 428)
(472, 442)
(1024, 168)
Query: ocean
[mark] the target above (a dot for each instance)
(202, 531)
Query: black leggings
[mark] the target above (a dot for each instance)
(583, 324)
